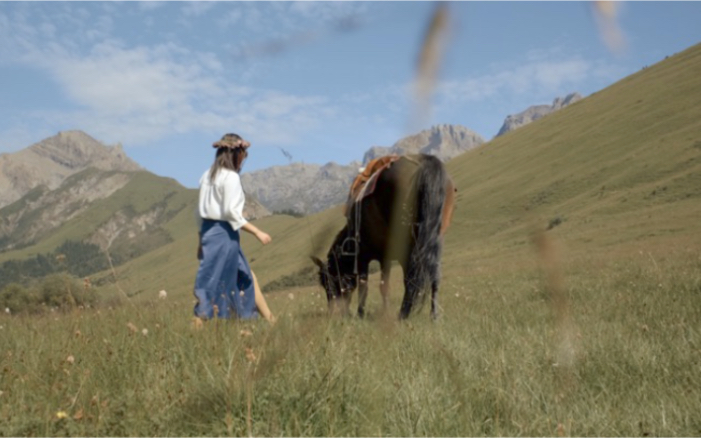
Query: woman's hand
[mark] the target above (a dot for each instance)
(263, 237)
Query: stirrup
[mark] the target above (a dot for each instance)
(349, 247)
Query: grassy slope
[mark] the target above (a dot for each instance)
(620, 167)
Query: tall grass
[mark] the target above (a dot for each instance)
(490, 366)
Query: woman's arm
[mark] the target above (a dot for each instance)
(260, 235)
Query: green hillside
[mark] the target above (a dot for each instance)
(135, 219)
(620, 169)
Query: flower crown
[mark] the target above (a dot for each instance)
(231, 141)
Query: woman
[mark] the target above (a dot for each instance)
(224, 270)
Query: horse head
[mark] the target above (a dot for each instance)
(336, 277)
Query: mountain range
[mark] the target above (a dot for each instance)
(72, 188)
(287, 188)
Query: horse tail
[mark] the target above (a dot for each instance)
(424, 259)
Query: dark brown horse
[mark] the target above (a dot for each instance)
(403, 219)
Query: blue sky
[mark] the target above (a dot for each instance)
(322, 80)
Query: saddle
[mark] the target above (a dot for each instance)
(364, 184)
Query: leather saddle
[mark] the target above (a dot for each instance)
(364, 184)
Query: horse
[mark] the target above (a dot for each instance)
(400, 214)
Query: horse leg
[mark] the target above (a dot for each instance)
(435, 282)
(362, 294)
(384, 285)
(345, 303)
(363, 268)
(434, 303)
(408, 300)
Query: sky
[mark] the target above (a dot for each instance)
(311, 82)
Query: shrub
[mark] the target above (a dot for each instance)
(305, 277)
(557, 220)
(289, 212)
(19, 299)
(62, 290)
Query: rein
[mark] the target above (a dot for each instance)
(355, 226)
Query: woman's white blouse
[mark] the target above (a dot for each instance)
(221, 200)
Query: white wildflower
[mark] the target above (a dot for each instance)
(162, 294)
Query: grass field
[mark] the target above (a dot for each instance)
(622, 356)
(592, 328)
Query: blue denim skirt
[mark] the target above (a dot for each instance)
(224, 284)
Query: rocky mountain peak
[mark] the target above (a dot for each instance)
(50, 161)
(444, 141)
(77, 150)
(535, 112)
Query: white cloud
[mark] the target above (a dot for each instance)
(536, 76)
(139, 91)
(139, 94)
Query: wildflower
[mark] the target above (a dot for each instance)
(144, 332)
(162, 294)
(60, 415)
(250, 356)
(70, 359)
(132, 327)
(560, 429)
(7, 310)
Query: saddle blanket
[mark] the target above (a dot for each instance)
(364, 184)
